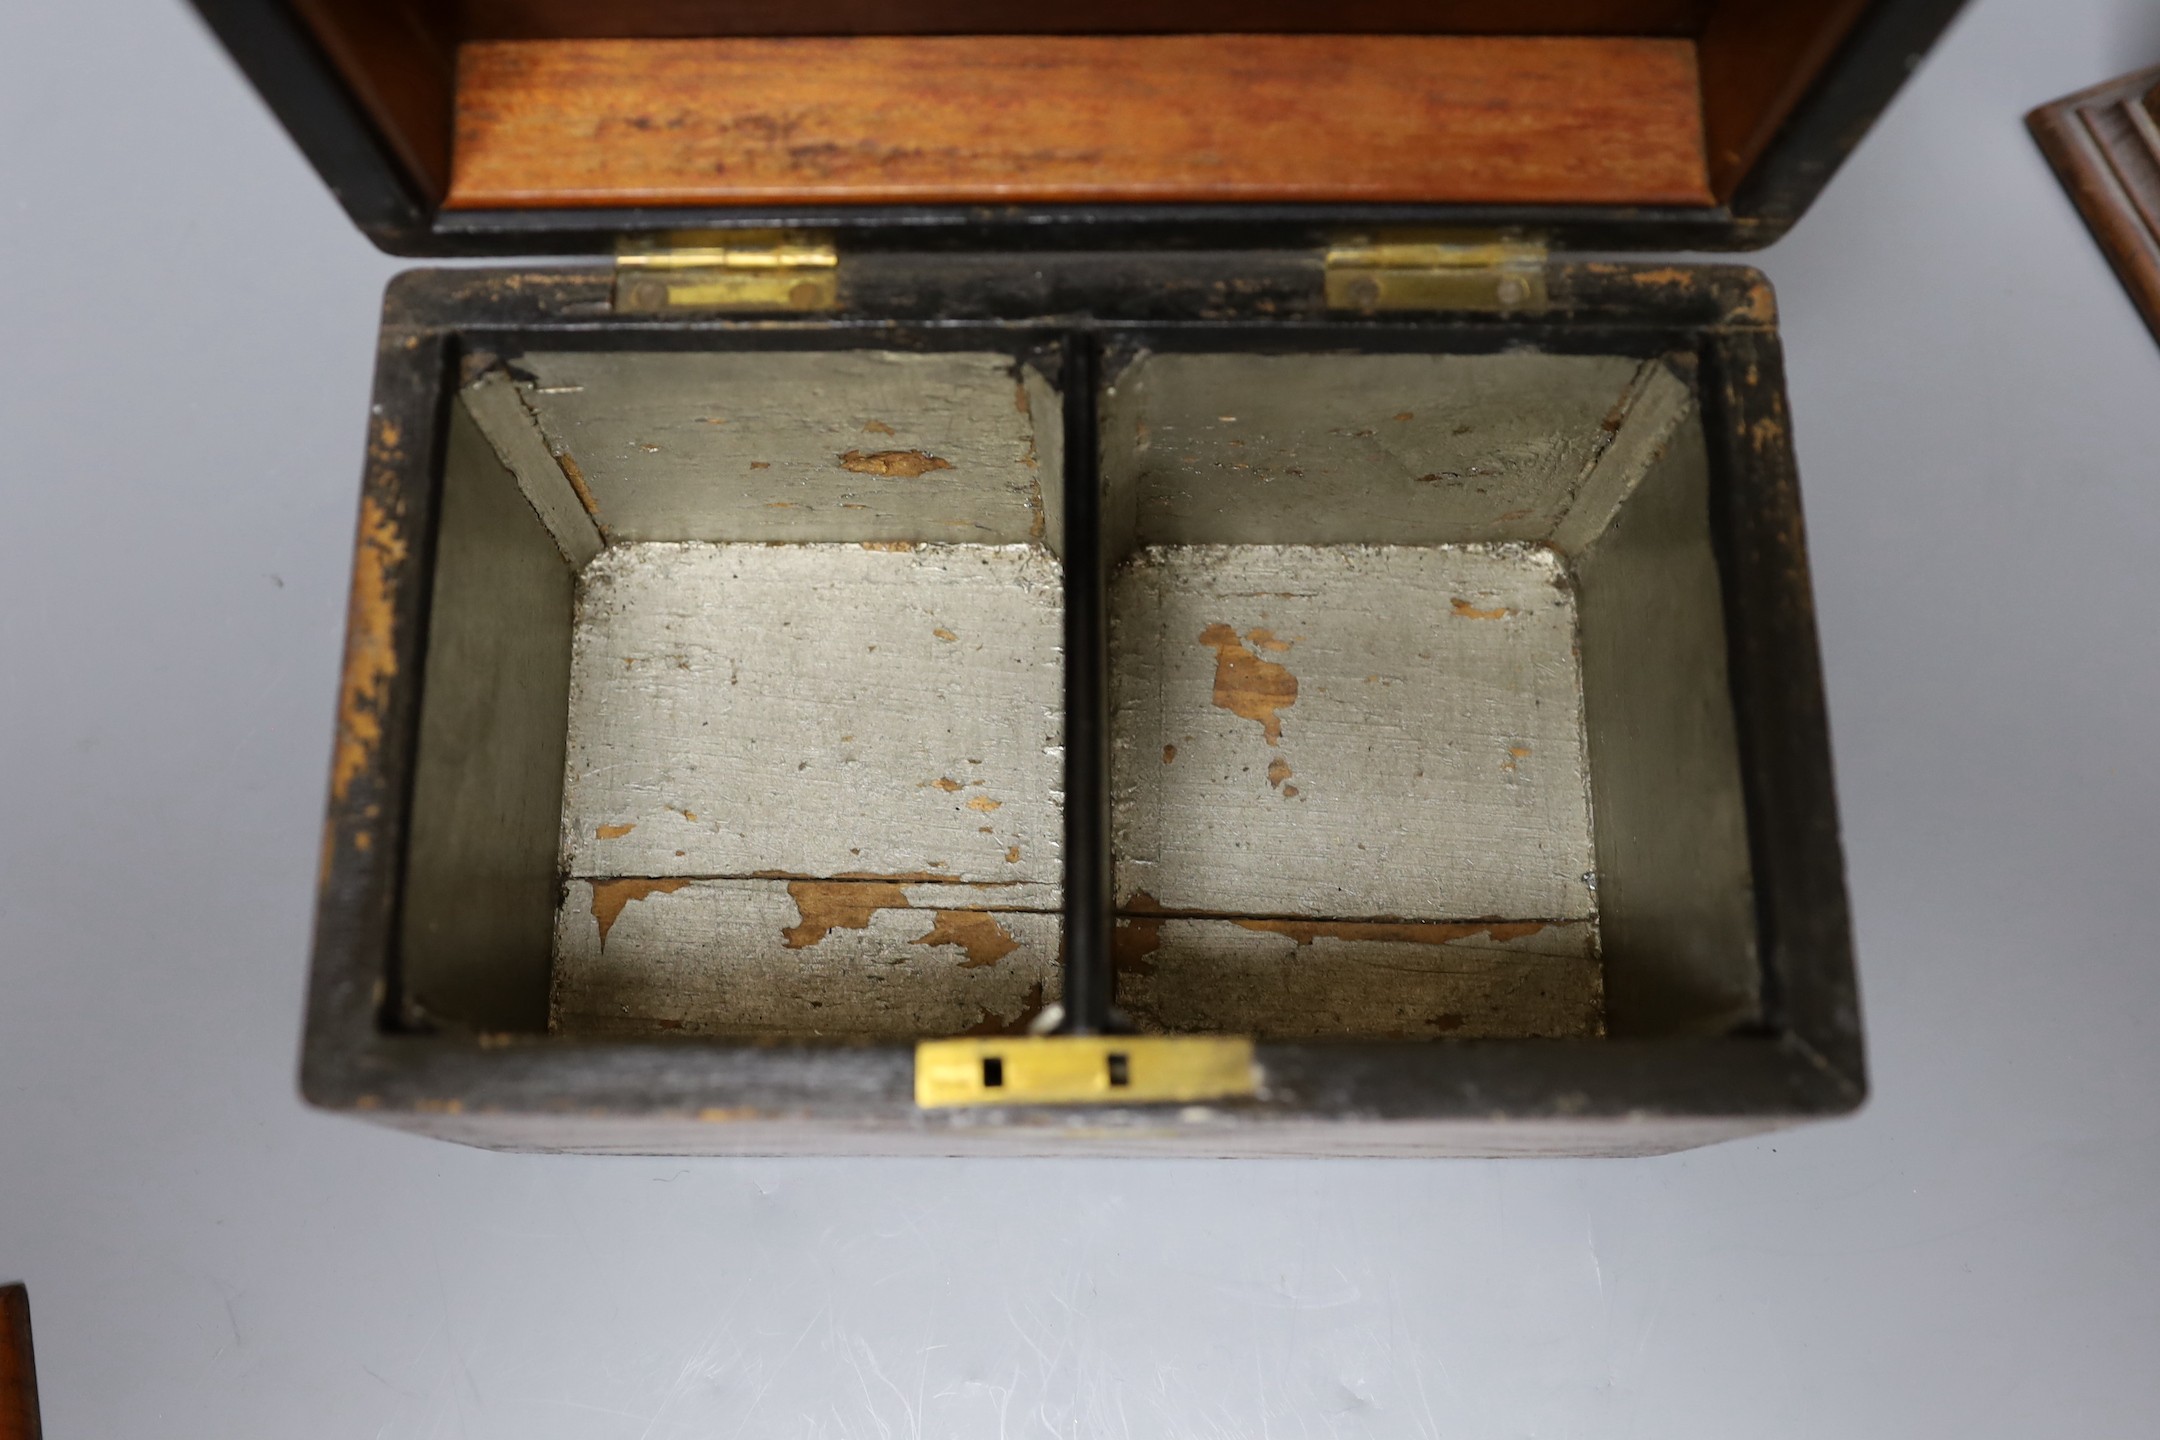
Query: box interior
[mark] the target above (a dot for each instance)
(742, 709)
(525, 104)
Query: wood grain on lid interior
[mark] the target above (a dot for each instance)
(1050, 119)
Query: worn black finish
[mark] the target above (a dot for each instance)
(1486, 1097)
(312, 101)
(1885, 46)
(1805, 926)
(1089, 906)
(332, 130)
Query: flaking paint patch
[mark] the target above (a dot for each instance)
(1668, 275)
(895, 464)
(714, 960)
(1761, 304)
(370, 631)
(975, 931)
(991, 1024)
(823, 906)
(613, 832)
(576, 477)
(984, 804)
(1248, 686)
(1279, 770)
(610, 896)
(1469, 611)
(1132, 943)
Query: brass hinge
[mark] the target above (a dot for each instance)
(1436, 271)
(1084, 1069)
(727, 270)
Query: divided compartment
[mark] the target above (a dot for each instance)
(743, 708)
(744, 698)
(1421, 720)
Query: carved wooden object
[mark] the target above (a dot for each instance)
(2105, 144)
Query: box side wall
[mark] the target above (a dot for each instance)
(1675, 891)
(480, 867)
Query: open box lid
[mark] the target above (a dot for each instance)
(475, 127)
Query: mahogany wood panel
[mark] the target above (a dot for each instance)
(1001, 119)
(1758, 58)
(18, 1372)
(2105, 145)
(633, 19)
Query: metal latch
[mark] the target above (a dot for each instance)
(1084, 1069)
(727, 270)
(1436, 271)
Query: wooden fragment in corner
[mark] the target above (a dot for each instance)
(18, 1372)
(1071, 119)
(2105, 145)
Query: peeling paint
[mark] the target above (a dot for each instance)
(576, 477)
(613, 832)
(823, 906)
(1469, 611)
(990, 1024)
(1131, 943)
(1248, 686)
(975, 931)
(371, 632)
(609, 897)
(896, 464)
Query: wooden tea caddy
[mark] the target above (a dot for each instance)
(1109, 581)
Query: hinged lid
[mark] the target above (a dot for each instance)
(534, 127)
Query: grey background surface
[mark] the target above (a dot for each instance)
(188, 324)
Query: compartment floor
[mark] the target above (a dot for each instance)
(811, 789)
(1352, 794)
